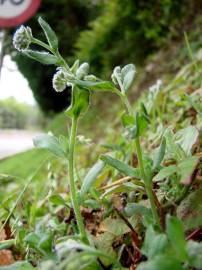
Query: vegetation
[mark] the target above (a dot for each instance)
(17, 115)
(131, 30)
(139, 205)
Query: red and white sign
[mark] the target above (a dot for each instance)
(15, 12)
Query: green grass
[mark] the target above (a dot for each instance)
(22, 164)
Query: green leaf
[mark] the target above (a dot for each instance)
(97, 86)
(45, 243)
(186, 138)
(42, 57)
(22, 265)
(121, 167)
(174, 150)
(127, 76)
(141, 125)
(175, 232)
(165, 172)
(115, 226)
(91, 177)
(32, 239)
(190, 210)
(134, 209)
(57, 199)
(50, 143)
(158, 157)
(194, 250)
(80, 102)
(186, 167)
(75, 66)
(63, 141)
(104, 243)
(154, 243)
(69, 245)
(5, 244)
(127, 120)
(50, 34)
(161, 262)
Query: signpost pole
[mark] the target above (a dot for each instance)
(2, 51)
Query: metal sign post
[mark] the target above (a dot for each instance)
(2, 39)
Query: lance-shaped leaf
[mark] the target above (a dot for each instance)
(159, 155)
(21, 265)
(80, 102)
(175, 232)
(120, 166)
(50, 143)
(42, 57)
(165, 172)
(64, 248)
(97, 86)
(50, 34)
(91, 177)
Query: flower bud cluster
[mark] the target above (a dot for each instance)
(61, 79)
(22, 38)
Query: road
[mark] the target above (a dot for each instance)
(15, 141)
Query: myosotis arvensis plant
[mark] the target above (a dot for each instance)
(82, 84)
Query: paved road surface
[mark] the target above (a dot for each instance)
(15, 141)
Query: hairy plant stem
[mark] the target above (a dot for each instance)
(72, 185)
(147, 182)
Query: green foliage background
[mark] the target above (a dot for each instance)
(17, 115)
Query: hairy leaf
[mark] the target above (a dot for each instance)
(120, 166)
(159, 155)
(165, 172)
(42, 57)
(91, 177)
(161, 262)
(50, 34)
(175, 232)
(80, 102)
(50, 143)
(127, 75)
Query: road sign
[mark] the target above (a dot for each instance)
(15, 12)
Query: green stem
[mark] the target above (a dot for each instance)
(72, 185)
(42, 44)
(147, 182)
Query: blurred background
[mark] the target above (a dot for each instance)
(106, 33)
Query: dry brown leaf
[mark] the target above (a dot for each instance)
(6, 257)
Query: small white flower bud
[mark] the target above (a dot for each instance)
(60, 80)
(22, 38)
(82, 71)
(91, 78)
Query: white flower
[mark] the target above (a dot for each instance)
(61, 80)
(154, 89)
(22, 38)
